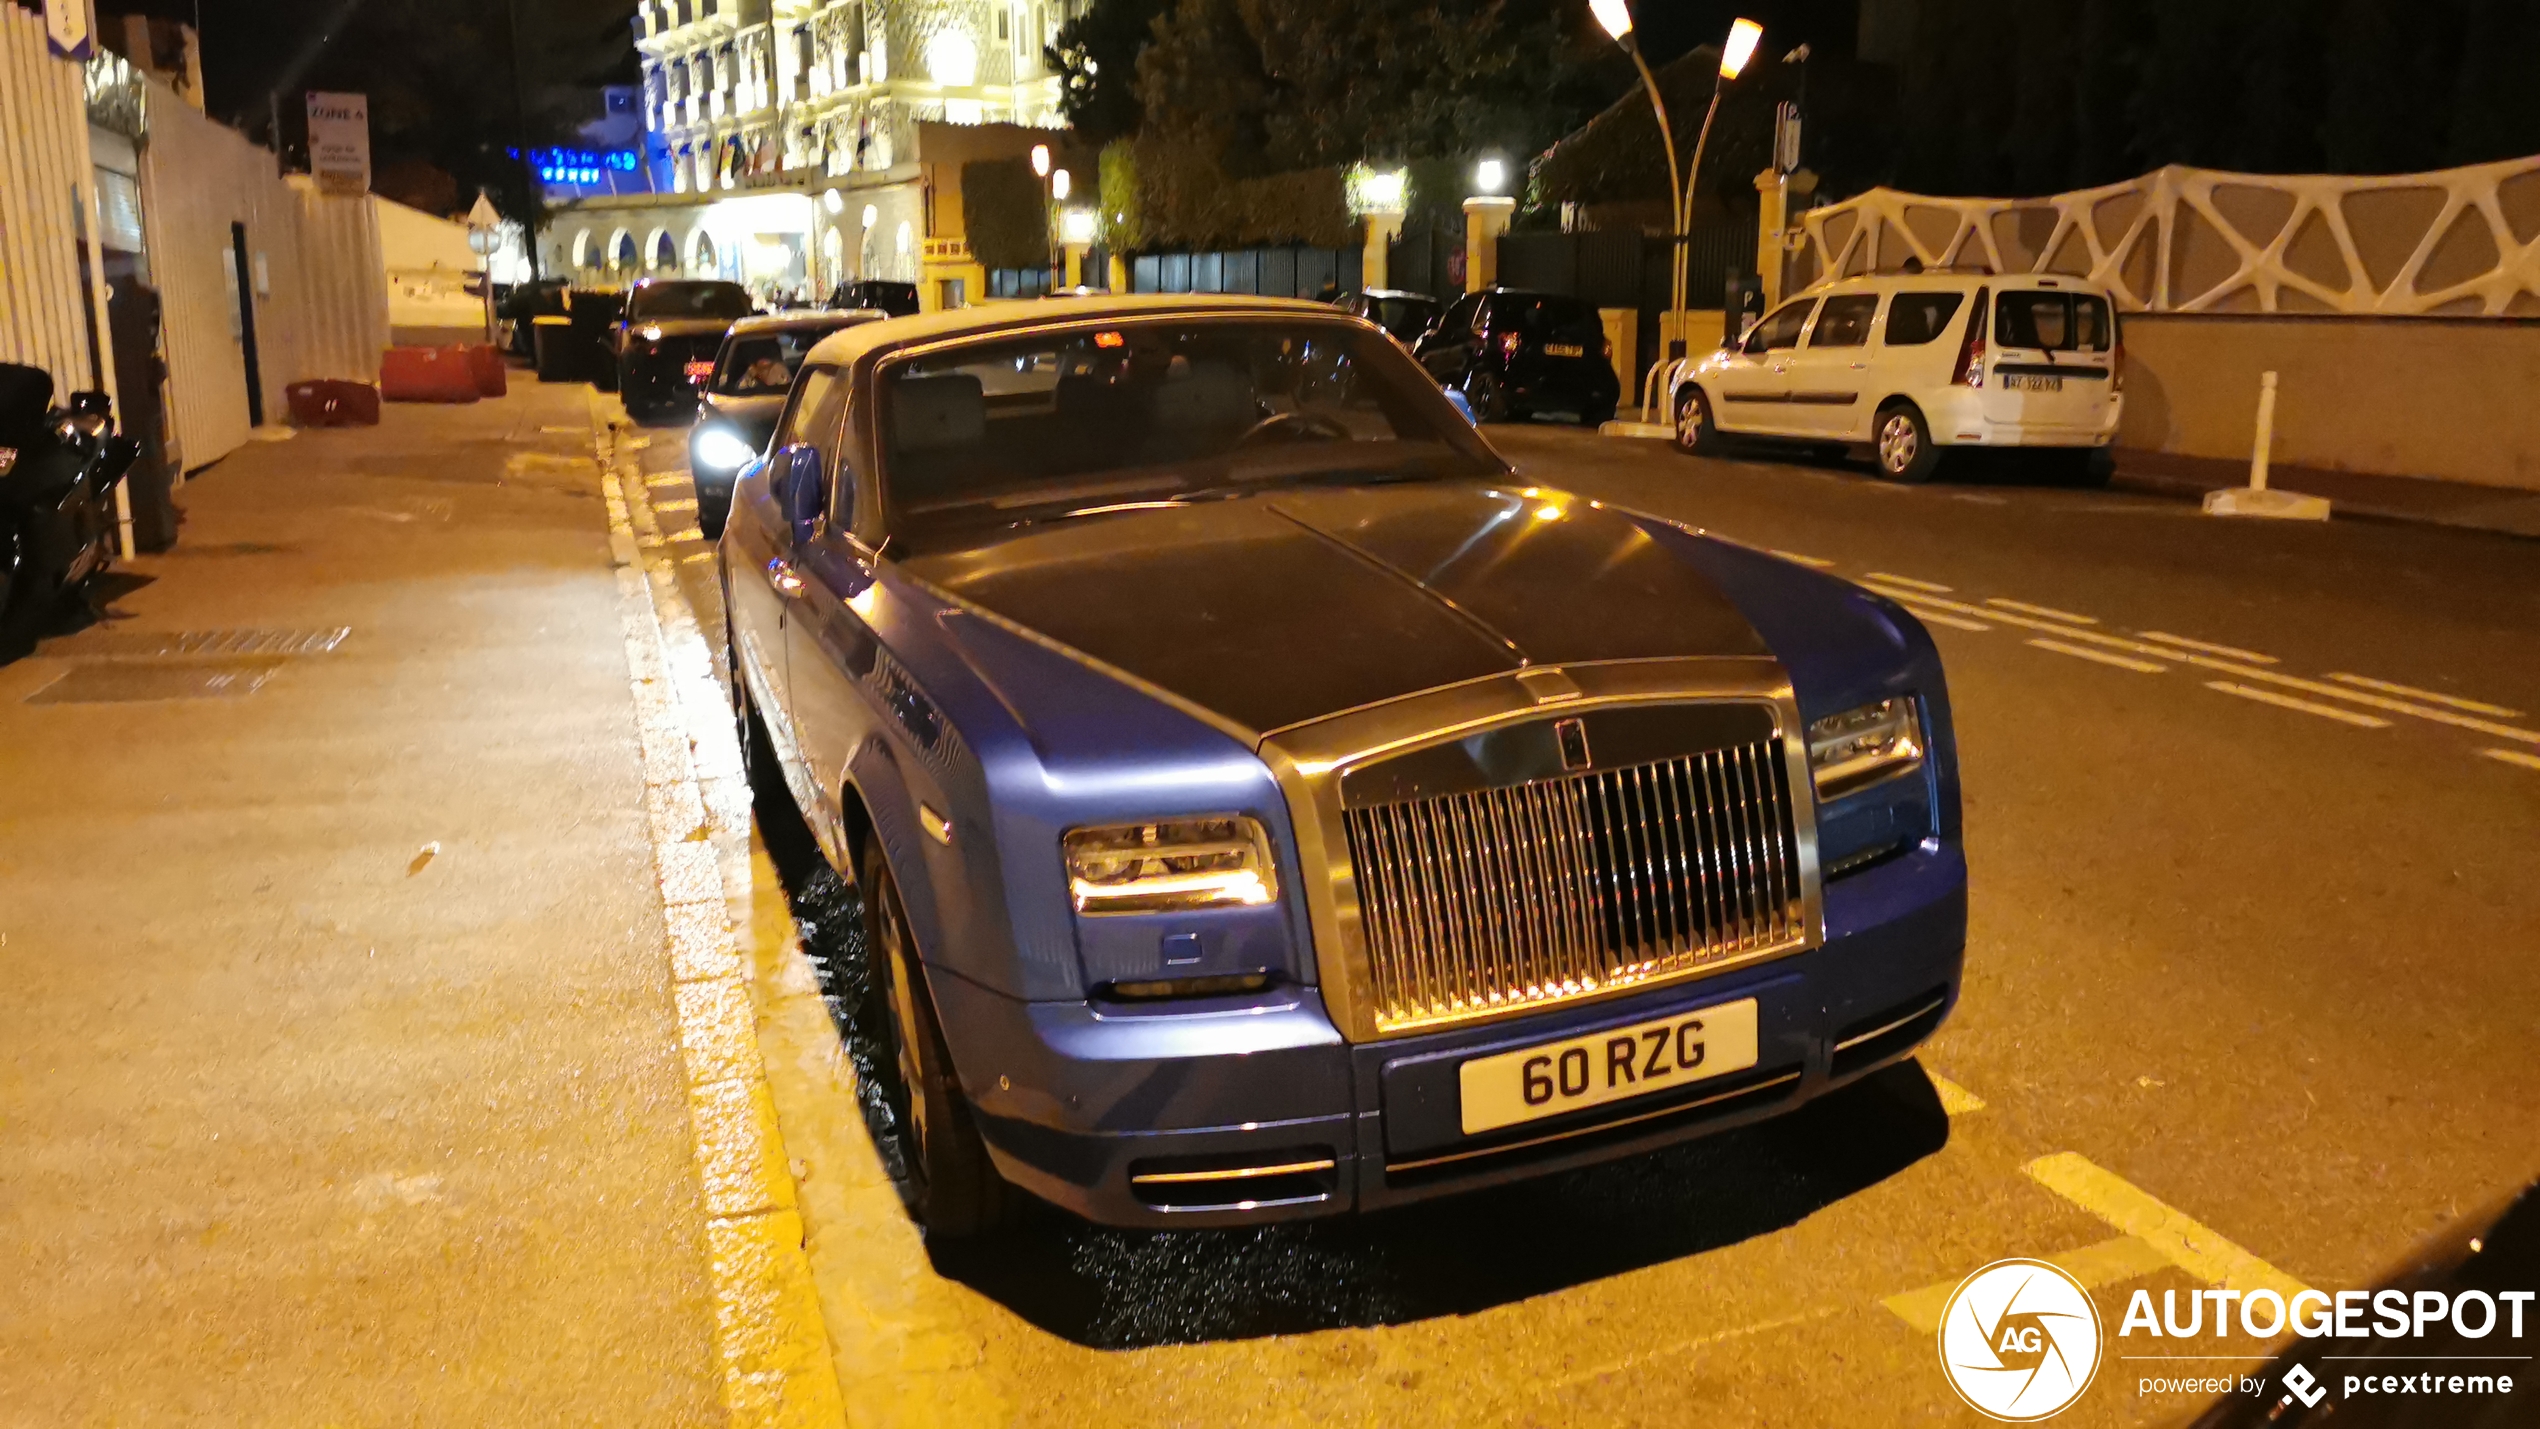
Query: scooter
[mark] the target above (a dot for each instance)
(58, 470)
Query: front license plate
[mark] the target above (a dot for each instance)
(1557, 1077)
(1563, 349)
(699, 371)
(2023, 382)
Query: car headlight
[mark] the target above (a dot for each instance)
(717, 449)
(1860, 747)
(1170, 866)
(651, 332)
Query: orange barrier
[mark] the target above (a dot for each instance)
(332, 403)
(485, 363)
(426, 374)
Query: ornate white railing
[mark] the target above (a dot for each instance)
(2454, 243)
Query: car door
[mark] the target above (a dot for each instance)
(1754, 380)
(761, 557)
(842, 686)
(2053, 350)
(1829, 370)
(1447, 349)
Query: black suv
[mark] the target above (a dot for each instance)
(897, 299)
(1513, 353)
(667, 341)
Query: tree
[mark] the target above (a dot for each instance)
(1096, 56)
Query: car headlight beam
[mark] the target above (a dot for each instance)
(1170, 866)
(717, 449)
(1862, 746)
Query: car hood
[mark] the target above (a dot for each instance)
(1282, 608)
(755, 417)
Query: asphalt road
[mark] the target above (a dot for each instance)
(2252, 998)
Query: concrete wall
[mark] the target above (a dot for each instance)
(2457, 399)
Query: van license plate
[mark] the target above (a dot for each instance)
(1563, 349)
(1555, 1077)
(2026, 382)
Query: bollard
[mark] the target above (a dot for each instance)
(2255, 499)
(2266, 432)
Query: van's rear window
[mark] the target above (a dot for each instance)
(2053, 322)
(1916, 318)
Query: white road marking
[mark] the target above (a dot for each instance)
(2109, 1262)
(1818, 561)
(2270, 697)
(2514, 756)
(2112, 642)
(2048, 611)
(2410, 691)
(1934, 617)
(2196, 1249)
(2084, 652)
(2501, 731)
(2182, 642)
(1955, 1100)
(1908, 582)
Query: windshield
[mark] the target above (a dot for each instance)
(764, 364)
(1035, 428)
(689, 300)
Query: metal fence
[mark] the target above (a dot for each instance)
(51, 290)
(1271, 272)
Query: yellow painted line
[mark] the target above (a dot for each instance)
(2429, 696)
(693, 557)
(2208, 647)
(1934, 617)
(2197, 1249)
(685, 503)
(2048, 611)
(2084, 652)
(1908, 582)
(1684, 1347)
(1817, 561)
(770, 1339)
(1955, 1100)
(2109, 1262)
(2288, 702)
(2513, 756)
(2501, 731)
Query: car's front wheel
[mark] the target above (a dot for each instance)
(1904, 446)
(953, 1187)
(1695, 431)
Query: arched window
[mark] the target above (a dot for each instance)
(665, 252)
(701, 255)
(582, 255)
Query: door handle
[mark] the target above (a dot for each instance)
(782, 575)
(1860, 367)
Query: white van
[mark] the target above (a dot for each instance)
(1910, 364)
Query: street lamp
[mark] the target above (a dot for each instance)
(1735, 52)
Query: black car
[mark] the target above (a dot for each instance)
(1405, 316)
(1514, 353)
(897, 299)
(667, 340)
(745, 396)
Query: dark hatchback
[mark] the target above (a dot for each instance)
(1514, 353)
(752, 374)
(667, 341)
(1403, 316)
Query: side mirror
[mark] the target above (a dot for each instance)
(800, 488)
(92, 404)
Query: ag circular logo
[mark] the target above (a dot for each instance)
(2019, 1340)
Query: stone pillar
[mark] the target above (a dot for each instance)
(1622, 333)
(1772, 197)
(1485, 218)
(1375, 268)
(1119, 273)
(1076, 263)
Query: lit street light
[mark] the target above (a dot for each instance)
(1744, 35)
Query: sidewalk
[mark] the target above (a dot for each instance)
(2418, 500)
(340, 1076)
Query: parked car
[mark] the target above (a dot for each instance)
(897, 299)
(1913, 365)
(667, 340)
(752, 373)
(1266, 804)
(1513, 353)
(1404, 315)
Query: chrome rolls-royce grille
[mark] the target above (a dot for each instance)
(1497, 898)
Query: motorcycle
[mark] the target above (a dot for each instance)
(58, 472)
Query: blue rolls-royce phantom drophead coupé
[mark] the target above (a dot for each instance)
(1267, 804)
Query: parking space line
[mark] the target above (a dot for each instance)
(2411, 692)
(2084, 652)
(2231, 651)
(1817, 561)
(1916, 603)
(2270, 697)
(1955, 1100)
(2109, 1262)
(1909, 582)
(2197, 1249)
(2501, 731)
(1934, 617)
(2048, 611)
(2513, 756)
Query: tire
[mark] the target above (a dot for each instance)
(1901, 446)
(1481, 389)
(953, 1189)
(758, 755)
(712, 514)
(1696, 433)
(23, 606)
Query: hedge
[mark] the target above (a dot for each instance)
(1164, 193)
(1004, 213)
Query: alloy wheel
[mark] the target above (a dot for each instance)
(1899, 443)
(906, 1029)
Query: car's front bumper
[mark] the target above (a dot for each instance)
(1074, 1103)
